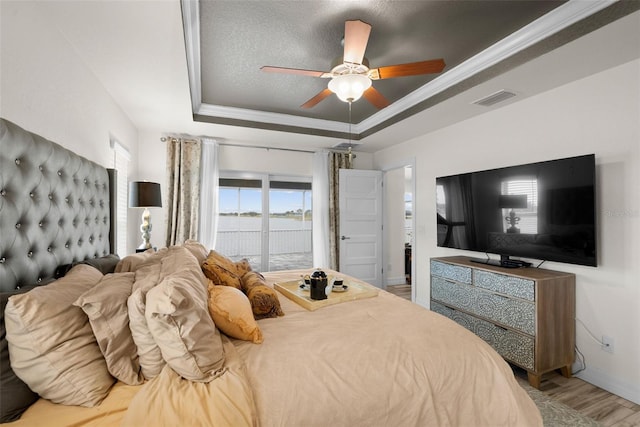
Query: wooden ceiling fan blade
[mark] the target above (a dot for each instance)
(375, 98)
(298, 71)
(412, 69)
(356, 37)
(316, 99)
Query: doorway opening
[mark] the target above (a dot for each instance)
(399, 225)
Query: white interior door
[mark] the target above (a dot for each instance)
(360, 203)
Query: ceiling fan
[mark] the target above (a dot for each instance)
(352, 78)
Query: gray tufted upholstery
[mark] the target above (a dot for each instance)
(54, 208)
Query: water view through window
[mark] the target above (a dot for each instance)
(277, 240)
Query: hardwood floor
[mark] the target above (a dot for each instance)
(594, 402)
(403, 291)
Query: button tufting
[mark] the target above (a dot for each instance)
(49, 249)
(59, 173)
(85, 180)
(39, 279)
(3, 192)
(50, 196)
(18, 225)
(66, 245)
(41, 168)
(30, 254)
(2, 260)
(40, 224)
(31, 195)
(18, 162)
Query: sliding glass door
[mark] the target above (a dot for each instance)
(266, 220)
(289, 225)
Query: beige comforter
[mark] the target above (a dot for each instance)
(380, 361)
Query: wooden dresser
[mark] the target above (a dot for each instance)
(526, 314)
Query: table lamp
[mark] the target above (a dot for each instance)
(144, 194)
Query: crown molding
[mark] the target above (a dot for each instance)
(285, 120)
(545, 26)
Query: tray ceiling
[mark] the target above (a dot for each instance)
(228, 42)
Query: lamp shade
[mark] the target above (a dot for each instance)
(143, 194)
(513, 201)
(349, 87)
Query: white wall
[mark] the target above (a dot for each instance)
(47, 89)
(599, 114)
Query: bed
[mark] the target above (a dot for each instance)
(221, 346)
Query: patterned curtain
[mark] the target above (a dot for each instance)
(337, 161)
(183, 189)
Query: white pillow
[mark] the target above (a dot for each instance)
(106, 306)
(51, 344)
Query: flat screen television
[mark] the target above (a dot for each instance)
(544, 211)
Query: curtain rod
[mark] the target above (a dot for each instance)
(264, 147)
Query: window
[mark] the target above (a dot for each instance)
(528, 216)
(121, 159)
(441, 201)
(266, 220)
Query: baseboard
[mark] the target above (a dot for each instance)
(424, 303)
(620, 388)
(399, 280)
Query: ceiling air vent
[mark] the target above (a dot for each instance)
(494, 98)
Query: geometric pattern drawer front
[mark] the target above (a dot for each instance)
(512, 346)
(508, 285)
(449, 271)
(514, 313)
(509, 344)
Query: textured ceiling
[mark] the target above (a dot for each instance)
(238, 37)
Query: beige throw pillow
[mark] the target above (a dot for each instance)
(180, 323)
(232, 314)
(133, 262)
(149, 354)
(51, 344)
(197, 249)
(106, 306)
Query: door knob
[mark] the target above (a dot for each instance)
(344, 238)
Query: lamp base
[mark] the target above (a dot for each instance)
(145, 228)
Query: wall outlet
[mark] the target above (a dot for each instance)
(607, 344)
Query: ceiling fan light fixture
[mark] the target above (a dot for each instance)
(349, 87)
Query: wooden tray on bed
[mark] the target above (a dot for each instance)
(356, 291)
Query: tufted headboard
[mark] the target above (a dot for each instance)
(55, 208)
